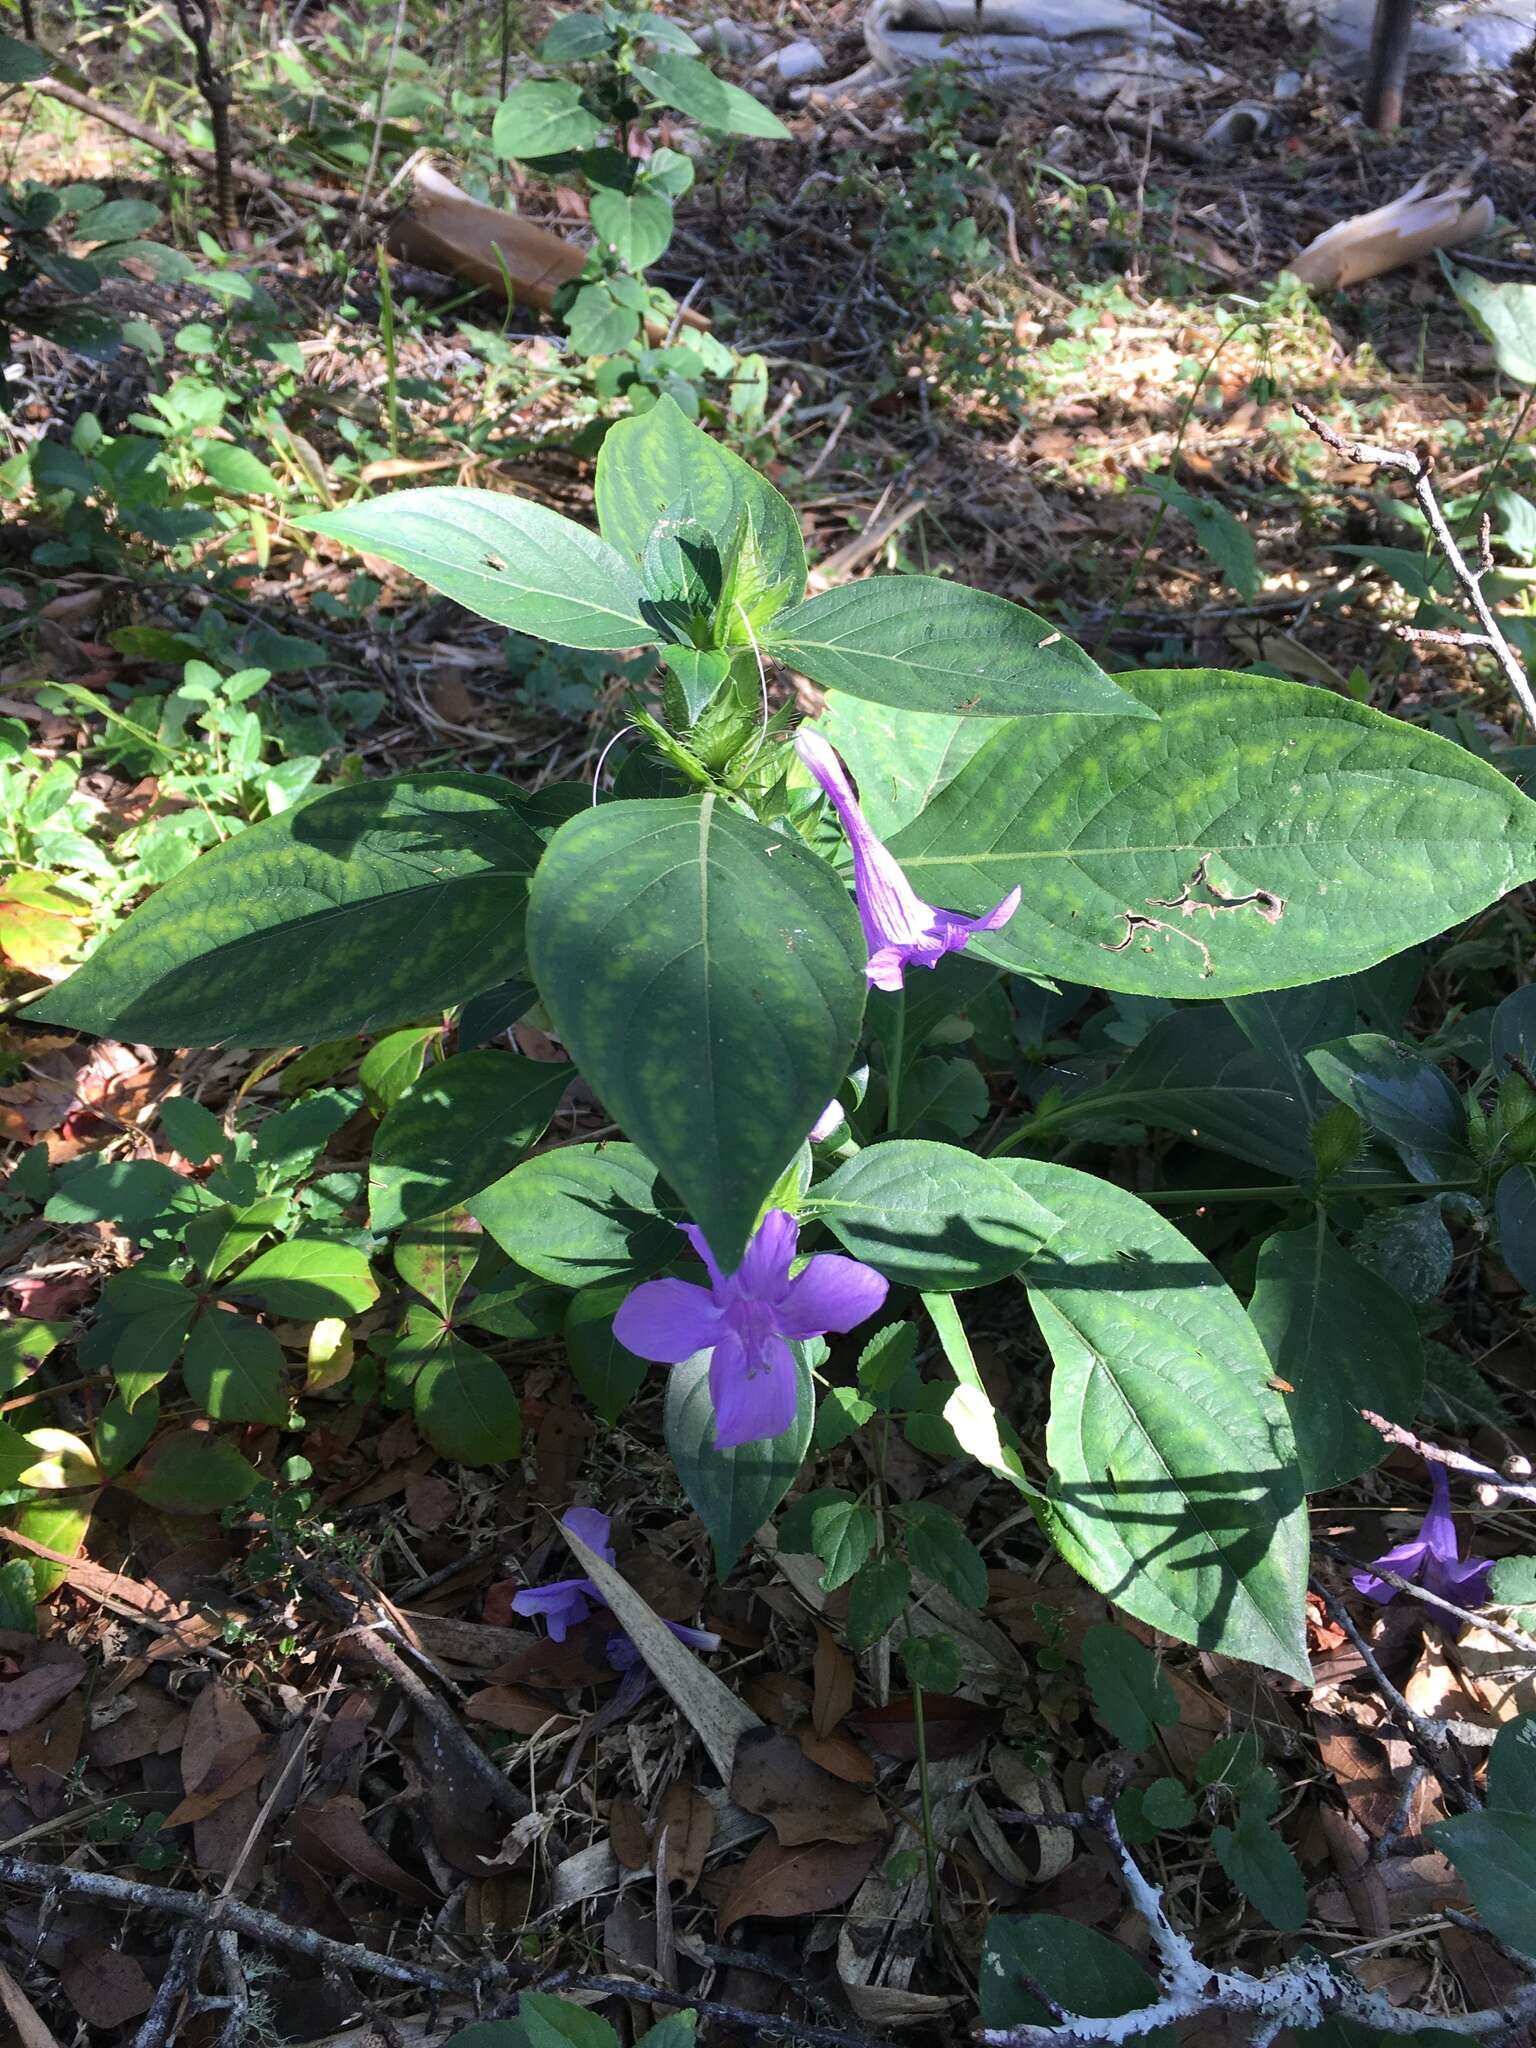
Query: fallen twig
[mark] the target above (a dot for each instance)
(1515, 1483)
(1416, 465)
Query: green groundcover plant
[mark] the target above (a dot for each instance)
(750, 948)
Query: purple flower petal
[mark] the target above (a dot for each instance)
(753, 1396)
(564, 1604)
(764, 1270)
(1464, 1581)
(831, 1293)
(667, 1320)
(832, 1118)
(592, 1526)
(695, 1638)
(900, 929)
(700, 1243)
(1437, 1531)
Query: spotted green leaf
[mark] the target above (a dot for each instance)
(1258, 834)
(707, 976)
(464, 1124)
(351, 913)
(506, 559)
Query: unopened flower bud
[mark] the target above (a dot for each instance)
(1516, 1467)
(1487, 1495)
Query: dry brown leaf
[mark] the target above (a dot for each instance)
(687, 1820)
(800, 1801)
(839, 1754)
(218, 1726)
(43, 1755)
(833, 1675)
(31, 2028)
(1360, 1877)
(626, 1831)
(244, 1767)
(778, 1698)
(155, 1727)
(515, 1709)
(1487, 1977)
(26, 1699)
(430, 1501)
(105, 1987)
(776, 1883)
(1051, 1849)
(1416, 1887)
(709, 1706)
(330, 1835)
(951, 1726)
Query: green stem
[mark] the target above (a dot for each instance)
(1287, 1191)
(1157, 518)
(897, 1055)
(930, 1850)
(387, 336)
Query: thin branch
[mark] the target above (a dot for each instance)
(180, 1975)
(1516, 1488)
(1415, 464)
(1467, 1616)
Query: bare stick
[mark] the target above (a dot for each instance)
(180, 1975)
(1387, 77)
(196, 19)
(1516, 1487)
(451, 1732)
(1416, 465)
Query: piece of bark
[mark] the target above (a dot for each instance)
(1368, 244)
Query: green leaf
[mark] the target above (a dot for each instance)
(921, 644)
(237, 470)
(558, 2023)
(1131, 1693)
(899, 759)
(937, 1545)
(1495, 1853)
(1167, 1804)
(733, 1492)
(1085, 1972)
(1175, 1488)
(1260, 834)
(1505, 313)
(707, 976)
(23, 1347)
(132, 1192)
(700, 672)
(1402, 1096)
(932, 1663)
(928, 1216)
(121, 1434)
(1344, 1340)
(437, 1255)
(465, 1408)
(18, 1593)
(20, 61)
(462, 1126)
(1512, 1583)
(599, 324)
(1512, 1766)
(307, 1278)
(1196, 1074)
(543, 118)
(692, 88)
(582, 1215)
(351, 913)
(877, 1598)
(648, 463)
(189, 1472)
(116, 220)
(505, 559)
(636, 225)
(58, 1526)
(1255, 1857)
(608, 1374)
(576, 39)
(1223, 536)
(1512, 1035)
(235, 1369)
(842, 1535)
(389, 1067)
(1514, 1203)
(196, 1133)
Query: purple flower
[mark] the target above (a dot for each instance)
(745, 1322)
(623, 1656)
(1431, 1557)
(566, 1603)
(900, 929)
